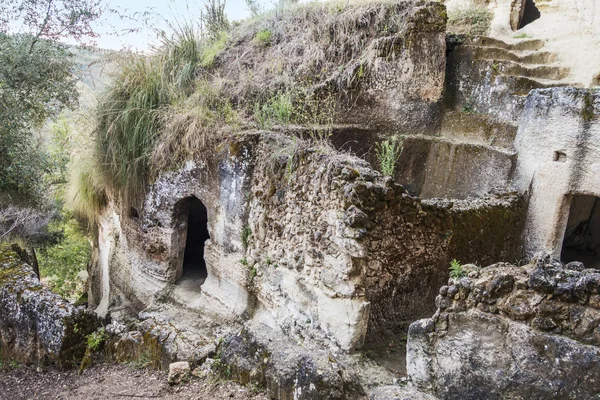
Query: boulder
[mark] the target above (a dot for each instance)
(512, 332)
(179, 372)
(36, 325)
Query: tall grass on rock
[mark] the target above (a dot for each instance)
(388, 154)
(131, 115)
(128, 122)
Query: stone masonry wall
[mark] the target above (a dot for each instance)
(511, 332)
(335, 252)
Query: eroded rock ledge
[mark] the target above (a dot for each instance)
(511, 332)
(36, 325)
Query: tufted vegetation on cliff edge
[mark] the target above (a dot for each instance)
(274, 71)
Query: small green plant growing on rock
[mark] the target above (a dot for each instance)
(456, 270)
(263, 38)
(246, 232)
(212, 50)
(388, 154)
(96, 339)
(244, 262)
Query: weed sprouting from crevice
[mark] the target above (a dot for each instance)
(388, 153)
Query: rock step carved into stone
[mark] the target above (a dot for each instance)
(523, 57)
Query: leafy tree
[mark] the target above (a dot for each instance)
(37, 83)
(35, 86)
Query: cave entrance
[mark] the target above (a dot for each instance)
(194, 266)
(582, 235)
(530, 14)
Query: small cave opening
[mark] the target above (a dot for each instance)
(194, 266)
(582, 235)
(530, 14)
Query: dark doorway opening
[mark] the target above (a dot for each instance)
(582, 236)
(194, 266)
(530, 14)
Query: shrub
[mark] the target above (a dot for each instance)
(214, 19)
(456, 270)
(263, 37)
(472, 21)
(388, 154)
(96, 339)
(61, 265)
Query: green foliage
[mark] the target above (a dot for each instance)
(263, 37)
(86, 197)
(212, 50)
(61, 265)
(469, 107)
(35, 86)
(214, 19)
(253, 272)
(244, 262)
(96, 339)
(127, 125)
(472, 21)
(129, 118)
(388, 154)
(456, 270)
(297, 105)
(246, 232)
(182, 54)
(522, 36)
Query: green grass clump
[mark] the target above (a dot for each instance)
(129, 118)
(86, 198)
(212, 50)
(263, 37)
(128, 123)
(456, 270)
(472, 21)
(388, 154)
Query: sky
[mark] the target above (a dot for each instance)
(161, 11)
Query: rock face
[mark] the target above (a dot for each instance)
(287, 371)
(37, 326)
(567, 121)
(511, 332)
(316, 243)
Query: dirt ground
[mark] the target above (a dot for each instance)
(112, 381)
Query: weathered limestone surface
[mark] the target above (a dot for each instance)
(286, 370)
(37, 326)
(511, 332)
(559, 156)
(403, 90)
(431, 167)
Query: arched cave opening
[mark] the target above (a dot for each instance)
(194, 265)
(530, 14)
(582, 236)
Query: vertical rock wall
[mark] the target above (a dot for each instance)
(559, 156)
